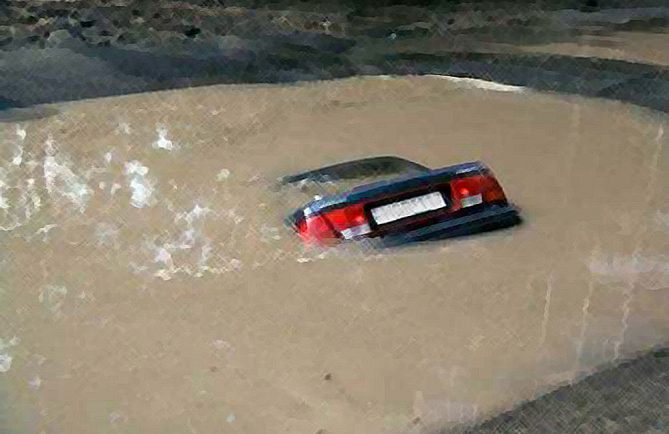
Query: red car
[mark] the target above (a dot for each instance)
(413, 203)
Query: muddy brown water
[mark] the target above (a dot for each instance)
(149, 285)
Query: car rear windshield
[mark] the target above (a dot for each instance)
(342, 177)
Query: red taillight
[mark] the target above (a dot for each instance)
(316, 230)
(493, 191)
(348, 222)
(345, 218)
(474, 190)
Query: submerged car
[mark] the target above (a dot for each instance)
(412, 203)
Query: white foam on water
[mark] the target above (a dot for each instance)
(222, 175)
(585, 315)
(173, 256)
(137, 269)
(236, 218)
(18, 155)
(18, 158)
(19, 199)
(620, 267)
(5, 356)
(187, 239)
(4, 201)
(220, 344)
(480, 84)
(141, 186)
(44, 231)
(624, 321)
(205, 255)
(662, 220)
(53, 298)
(114, 188)
(107, 235)
(35, 382)
(191, 234)
(164, 274)
(31, 207)
(5, 362)
(163, 256)
(651, 273)
(547, 308)
(192, 216)
(186, 249)
(123, 128)
(109, 156)
(21, 133)
(235, 264)
(162, 142)
(62, 182)
(116, 417)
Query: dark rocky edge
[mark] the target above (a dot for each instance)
(168, 23)
(630, 398)
(64, 50)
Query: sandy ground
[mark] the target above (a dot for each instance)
(148, 284)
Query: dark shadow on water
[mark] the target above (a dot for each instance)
(6, 104)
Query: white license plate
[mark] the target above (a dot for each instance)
(408, 207)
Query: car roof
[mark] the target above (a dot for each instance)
(360, 168)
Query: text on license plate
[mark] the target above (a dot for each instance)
(408, 207)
